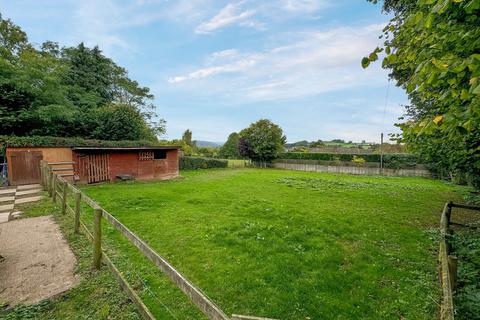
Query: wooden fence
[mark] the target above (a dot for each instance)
(57, 187)
(447, 262)
(352, 170)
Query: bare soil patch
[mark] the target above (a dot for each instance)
(37, 261)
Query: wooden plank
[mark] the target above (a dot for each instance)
(64, 197)
(62, 169)
(208, 307)
(78, 199)
(97, 238)
(60, 163)
(446, 305)
(465, 206)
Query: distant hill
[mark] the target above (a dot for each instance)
(209, 144)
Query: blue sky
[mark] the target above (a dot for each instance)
(217, 66)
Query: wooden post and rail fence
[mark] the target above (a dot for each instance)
(447, 262)
(58, 187)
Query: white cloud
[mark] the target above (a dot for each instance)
(306, 63)
(230, 14)
(303, 5)
(236, 66)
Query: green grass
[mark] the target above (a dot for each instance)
(285, 244)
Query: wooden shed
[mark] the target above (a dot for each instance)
(93, 164)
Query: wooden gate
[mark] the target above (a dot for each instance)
(92, 167)
(25, 167)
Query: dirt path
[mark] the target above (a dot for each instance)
(38, 262)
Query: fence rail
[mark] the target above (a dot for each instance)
(57, 187)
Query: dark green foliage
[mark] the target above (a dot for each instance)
(467, 296)
(187, 138)
(193, 163)
(46, 141)
(230, 149)
(262, 141)
(69, 92)
(393, 161)
(432, 49)
(122, 122)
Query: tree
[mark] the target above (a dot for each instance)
(317, 144)
(68, 91)
(122, 122)
(230, 148)
(433, 51)
(262, 141)
(187, 137)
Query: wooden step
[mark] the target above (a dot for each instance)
(6, 207)
(4, 217)
(7, 191)
(28, 192)
(26, 200)
(29, 186)
(6, 199)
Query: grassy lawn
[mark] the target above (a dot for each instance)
(288, 245)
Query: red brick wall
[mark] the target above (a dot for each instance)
(129, 163)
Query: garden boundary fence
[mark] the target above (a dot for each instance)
(58, 187)
(360, 170)
(448, 262)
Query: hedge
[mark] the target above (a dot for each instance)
(390, 160)
(46, 141)
(193, 163)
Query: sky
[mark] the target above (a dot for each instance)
(217, 66)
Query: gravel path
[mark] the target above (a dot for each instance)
(38, 262)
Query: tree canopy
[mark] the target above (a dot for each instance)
(69, 92)
(262, 141)
(432, 48)
(230, 149)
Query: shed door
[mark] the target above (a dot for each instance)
(97, 167)
(25, 167)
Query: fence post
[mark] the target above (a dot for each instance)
(78, 197)
(64, 197)
(452, 268)
(50, 182)
(97, 235)
(54, 189)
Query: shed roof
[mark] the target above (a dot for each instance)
(126, 148)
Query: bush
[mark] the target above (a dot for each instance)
(391, 160)
(193, 163)
(359, 161)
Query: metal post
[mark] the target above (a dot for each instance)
(97, 235)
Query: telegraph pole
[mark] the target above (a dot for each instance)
(381, 153)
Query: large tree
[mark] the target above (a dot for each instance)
(229, 150)
(68, 91)
(262, 141)
(432, 48)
